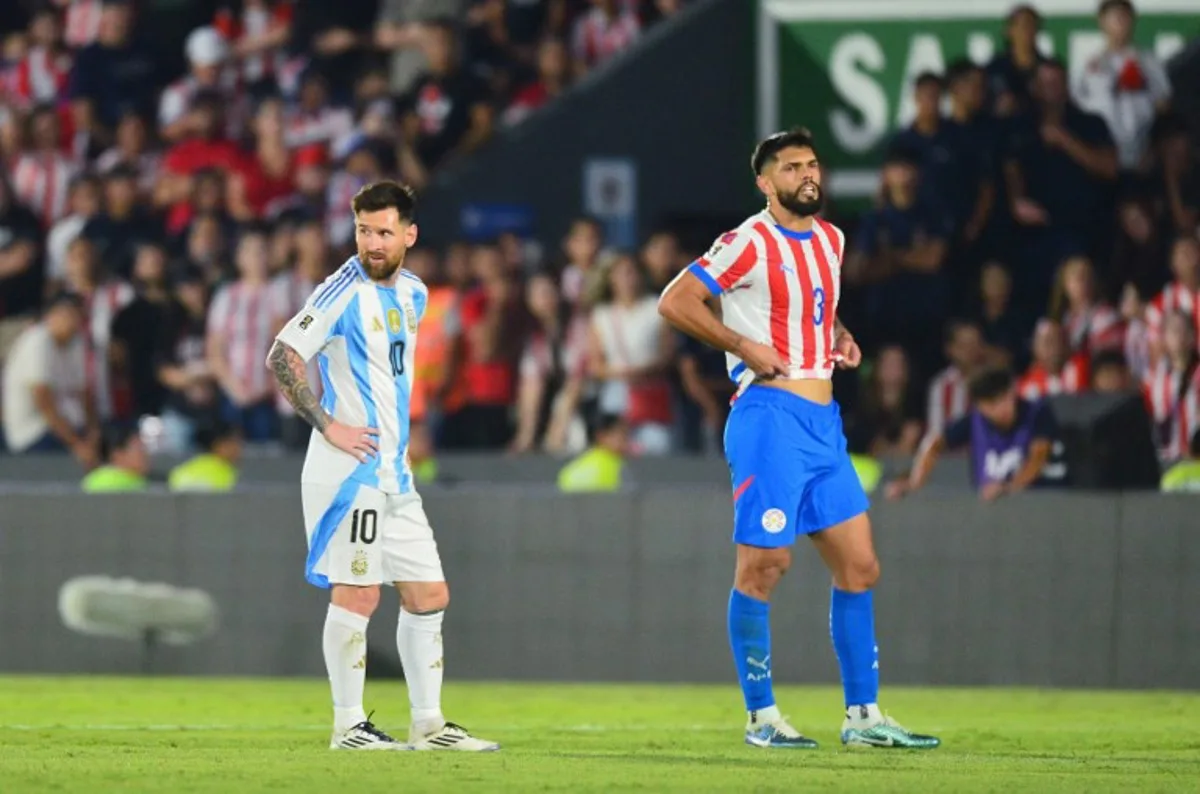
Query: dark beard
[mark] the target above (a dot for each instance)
(803, 208)
(382, 271)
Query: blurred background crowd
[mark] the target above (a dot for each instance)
(175, 185)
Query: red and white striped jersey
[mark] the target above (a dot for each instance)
(779, 287)
(949, 399)
(326, 126)
(244, 316)
(100, 309)
(1038, 382)
(1175, 297)
(176, 100)
(256, 20)
(1094, 329)
(1176, 416)
(41, 77)
(82, 24)
(596, 38)
(42, 181)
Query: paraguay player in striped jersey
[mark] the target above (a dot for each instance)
(364, 520)
(778, 279)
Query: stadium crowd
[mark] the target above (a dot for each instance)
(156, 230)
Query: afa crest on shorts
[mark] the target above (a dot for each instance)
(774, 520)
(358, 566)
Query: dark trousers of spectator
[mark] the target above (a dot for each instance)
(258, 422)
(477, 427)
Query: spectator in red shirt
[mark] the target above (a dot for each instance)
(601, 33)
(487, 314)
(553, 77)
(1054, 370)
(205, 148)
(264, 184)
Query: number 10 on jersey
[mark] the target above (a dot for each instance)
(396, 354)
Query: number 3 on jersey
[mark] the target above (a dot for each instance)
(396, 354)
(818, 306)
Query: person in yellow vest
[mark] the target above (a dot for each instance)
(869, 471)
(598, 469)
(215, 469)
(126, 462)
(1184, 476)
(420, 454)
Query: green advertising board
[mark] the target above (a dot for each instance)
(844, 68)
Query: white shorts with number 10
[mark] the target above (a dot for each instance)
(359, 535)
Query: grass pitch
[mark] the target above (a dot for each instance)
(236, 736)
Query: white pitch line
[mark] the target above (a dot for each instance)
(264, 728)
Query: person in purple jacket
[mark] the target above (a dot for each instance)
(1013, 442)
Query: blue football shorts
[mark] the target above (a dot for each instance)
(789, 467)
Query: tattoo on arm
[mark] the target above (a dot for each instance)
(292, 376)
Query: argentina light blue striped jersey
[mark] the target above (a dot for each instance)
(364, 335)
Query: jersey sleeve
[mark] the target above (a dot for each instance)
(316, 323)
(727, 264)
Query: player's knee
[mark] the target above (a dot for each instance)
(859, 575)
(425, 597)
(758, 576)
(359, 600)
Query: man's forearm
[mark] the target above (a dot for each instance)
(693, 317)
(291, 374)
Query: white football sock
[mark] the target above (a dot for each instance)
(872, 716)
(345, 647)
(419, 639)
(765, 716)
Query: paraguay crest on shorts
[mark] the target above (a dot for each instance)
(774, 520)
(393, 317)
(358, 566)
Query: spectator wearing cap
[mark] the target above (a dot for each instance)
(1010, 72)
(47, 406)
(215, 469)
(1059, 166)
(115, 72)
(447, 114)
(1125, 86)
(207, 54)
(899, 254)
(126, 462)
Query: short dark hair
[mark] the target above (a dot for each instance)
(960, 68)
(1108, 358)
(1109, 5)
(990, 384)
(769, 148)
(954, 326)
(928, 78)
(116, 437)
(211, 432)
(384, 195)
(64, 298)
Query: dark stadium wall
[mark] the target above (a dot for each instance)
(680, 106)
(1042, 590)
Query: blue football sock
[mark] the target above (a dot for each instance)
(750, 639)
(852, 626)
